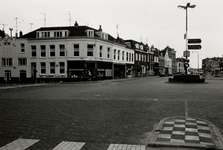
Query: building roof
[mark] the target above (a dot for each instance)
(133, 44)
(73, 31)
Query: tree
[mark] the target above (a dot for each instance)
(2, 33)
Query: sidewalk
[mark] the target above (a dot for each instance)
(185, 132)
(11, 86)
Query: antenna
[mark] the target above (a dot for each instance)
(31, 26)
(3, 26)
(16, 27)
(117, 29)
(44, 19)
(69, 17)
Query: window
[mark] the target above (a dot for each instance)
(6, 61)
(6, 43)
(22, 48)
(114, 53)
(130, 57)
(52, 50)
(76, 49)
(33, 48)
(22, 61)
(123, 55)
(118, 54)
(43, 50)
(90, 48)
(127, 56)
(100, 53)
(108, 52)
(45, 34)
(43, 67)
(58, 34)
(62, 50)
(52, 68)
(62, 67)
(90, 33)
(136, 56)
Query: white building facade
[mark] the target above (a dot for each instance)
(54, 54)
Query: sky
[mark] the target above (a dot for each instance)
(155, 22)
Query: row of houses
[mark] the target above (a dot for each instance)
(54, 54)
(212, 64)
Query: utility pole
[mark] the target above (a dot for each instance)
(186, 7)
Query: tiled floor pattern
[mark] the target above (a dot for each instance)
(185, 131)
(22, 144)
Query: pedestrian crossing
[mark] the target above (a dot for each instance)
(19, 144)
(23, 144)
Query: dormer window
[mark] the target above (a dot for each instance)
(47, 34)
(104, 36)
(90, 33)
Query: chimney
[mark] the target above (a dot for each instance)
(76, 24)
(10, 31)
(100, 29)
(20, 34)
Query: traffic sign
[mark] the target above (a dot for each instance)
(193, 41)
(186, 53)
(194, 47)
(193, 44)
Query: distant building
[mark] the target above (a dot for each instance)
(180, 65)
(167, 59)
(209, 64)
(156, 60)
(143, 60)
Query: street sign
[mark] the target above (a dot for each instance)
(194, 47)
(193, 41)
(193, 44)
(186, 53)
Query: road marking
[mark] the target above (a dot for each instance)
(186, 109)
(69, 146)
(22, 144)
(126, 147)
(19, 144)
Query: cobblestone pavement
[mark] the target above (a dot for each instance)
(100, 115)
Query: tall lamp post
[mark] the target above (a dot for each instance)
(197, 61)
(185, 7)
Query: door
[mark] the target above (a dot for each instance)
(22, 76)
(7, 76)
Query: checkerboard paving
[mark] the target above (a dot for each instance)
(186, 131)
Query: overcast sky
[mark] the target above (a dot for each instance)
(156, 22)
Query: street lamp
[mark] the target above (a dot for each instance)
(197, 62)
(185, 7)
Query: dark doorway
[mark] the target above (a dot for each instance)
(22, 76)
